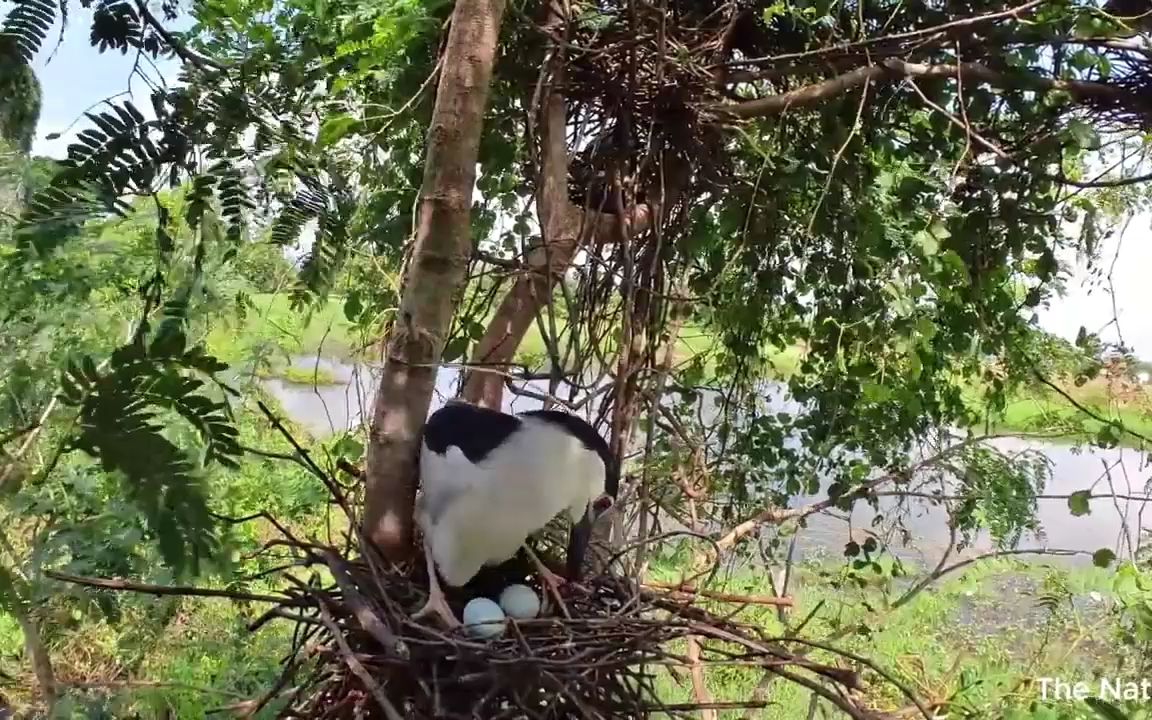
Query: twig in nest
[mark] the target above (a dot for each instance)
(357, 667)
(684, 589)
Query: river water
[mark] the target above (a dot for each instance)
(1113, 523)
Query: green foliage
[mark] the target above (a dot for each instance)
(121, 425)
(969, 642)
(1078, 502)
(892, 260)
(19, 103)
(1106, 710)
(999, 492)
(116, 158)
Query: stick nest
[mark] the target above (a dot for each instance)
(358, 654)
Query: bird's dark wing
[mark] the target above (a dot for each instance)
(475, 430)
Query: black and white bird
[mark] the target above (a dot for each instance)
(490, 480)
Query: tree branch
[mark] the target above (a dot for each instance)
(941, 572)
(1088, 411)
(148, 589)
(687, 589)
(805, 96)
(776, 515)
(897, 37)
(173, 42)
(1110, 183)
(893, 69)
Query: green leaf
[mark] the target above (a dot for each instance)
(1108, 436)
(353, 306)
(10, 590)
(168, 343)
(1083, 135)
(335, 129)
(1103, 557)
(915, 365)
(455, 349)
(928, 243)
(1105, 709)
(875, 392)
(349, 448)
(1082, 59)
(939, 230)
(1078, 502)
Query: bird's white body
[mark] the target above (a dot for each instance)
(477, 514)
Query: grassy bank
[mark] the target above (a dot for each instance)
(977, 639)
(1044, 410)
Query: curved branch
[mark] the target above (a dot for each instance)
(941, 572)
(182, 51)
(1111, 183)
(893, 69)
(775, 515)
(910, 35)
(1088, 411)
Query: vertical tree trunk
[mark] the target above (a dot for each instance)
(435, 273)
(37, 655)
(561, 228)
(529, 294)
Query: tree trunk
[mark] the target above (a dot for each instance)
(37, 655)
(529, 294)
(434, 276)
(565, 227)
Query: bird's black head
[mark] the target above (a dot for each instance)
(581, 532)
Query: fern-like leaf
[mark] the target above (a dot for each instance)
(121, 425)
(308, 204)
(115, 158)
(24, 31)
(327, 255)
(199, 199)
(116, 26)
(234, 201)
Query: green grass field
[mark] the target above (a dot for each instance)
(989, 622)
(271, 320)
(1042, 410)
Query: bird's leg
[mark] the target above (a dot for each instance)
(551, 580)
(436, 604)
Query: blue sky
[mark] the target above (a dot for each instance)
(77, 76)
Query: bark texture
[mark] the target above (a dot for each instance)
(38, 656)
(435, 273)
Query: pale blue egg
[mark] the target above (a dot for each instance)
(483, 618)
(520, 602)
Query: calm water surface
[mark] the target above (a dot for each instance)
(326, 409)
